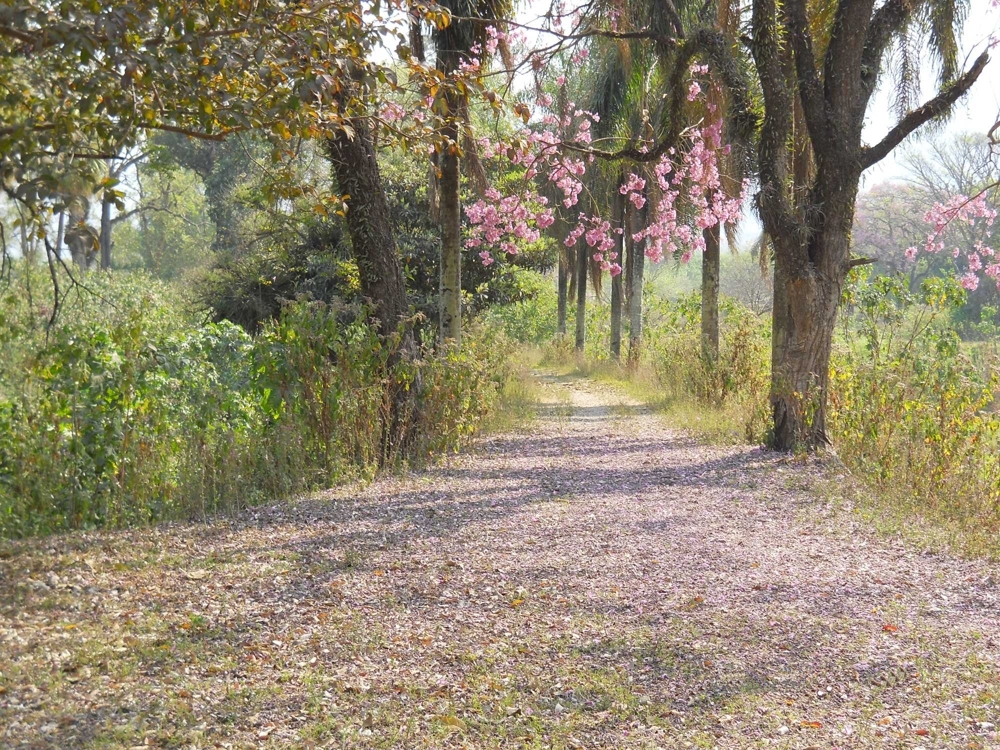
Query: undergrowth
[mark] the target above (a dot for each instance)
(913, 415)
(130, 411)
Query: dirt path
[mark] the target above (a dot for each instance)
(599, 581)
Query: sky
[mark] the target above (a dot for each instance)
(975, 114)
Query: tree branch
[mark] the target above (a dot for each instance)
(674, 16)
(21, 36)
(151, 209)
(931, 109)
(197, 134)
(810, 85)
(771, 58)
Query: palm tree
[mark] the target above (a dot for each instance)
(637, 93)
(454, 44)
(621, 89)
(733, 169)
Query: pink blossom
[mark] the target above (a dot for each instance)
(964, 210)
(687, 187)
(392, 112)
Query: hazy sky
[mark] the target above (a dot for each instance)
(977, 113)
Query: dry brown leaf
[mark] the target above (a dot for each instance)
(452, 721)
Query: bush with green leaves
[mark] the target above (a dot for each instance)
(734, 386)
(913, 409)
(134, 413)
(530, 314)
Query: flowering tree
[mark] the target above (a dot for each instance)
(557, 149)
(980, 258)
(817, 72)
(686, 188)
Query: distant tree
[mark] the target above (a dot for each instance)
(889, 218)
(85, 81)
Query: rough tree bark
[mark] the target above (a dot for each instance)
(627, 258)
(564, 273)
(450, 219)
(61, 232)
(372, 240)
(105, 237)
(380, 271)
(710, 293)
(810, 224)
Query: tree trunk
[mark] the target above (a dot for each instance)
(637, 266)
(710, 293)
(379, 269)
(616, 317)
(629, 254)
(105, 238)
(617, 226)
(61, 233)
(808, 174)
(582, 263)
(80, 239)
(803, 322)
(564, 273)
(450, 218)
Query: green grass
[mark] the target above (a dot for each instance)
(520, 393)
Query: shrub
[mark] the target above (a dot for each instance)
(912, 413)
(732, 390)
(531, 315)
(135, 414)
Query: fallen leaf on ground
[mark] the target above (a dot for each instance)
(453, 721)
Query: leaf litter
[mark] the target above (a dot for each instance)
(598, 581)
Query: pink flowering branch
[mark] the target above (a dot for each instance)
(557, 149)
(981, 259)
